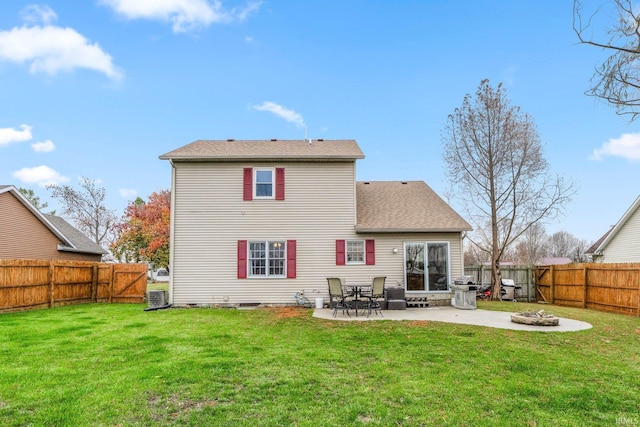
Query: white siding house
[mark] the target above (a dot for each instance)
(257, 221)
(621, 244)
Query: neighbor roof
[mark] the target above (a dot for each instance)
(404, 206)
(80, 242)
(291, 150)
(74, 240)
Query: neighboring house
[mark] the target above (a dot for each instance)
(27, 233)
(257, 221)
(621, 244)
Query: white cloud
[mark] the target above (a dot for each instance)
(244, 13)
(282, 112)
(50, 49)
(37, 14)
(44, 146)
(185, 15)
(127, 193)
(40, 175)
(9, 135)
(627, 147)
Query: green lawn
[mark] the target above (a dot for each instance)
(116, 365)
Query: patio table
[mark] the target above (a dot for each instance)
(357, 289)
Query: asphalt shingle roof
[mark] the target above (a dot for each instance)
(291, 150)
(80, 242)
(404, 206)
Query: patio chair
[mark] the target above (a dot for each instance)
(337, 298)
(377, 292)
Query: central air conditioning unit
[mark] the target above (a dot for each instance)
(157, 299)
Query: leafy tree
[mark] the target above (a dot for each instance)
(617, 79)
(143, 233)
(35, 200)
(86, 209)
(499, 175)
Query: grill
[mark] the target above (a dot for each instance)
(465, 293)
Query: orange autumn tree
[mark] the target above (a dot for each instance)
(143, 233)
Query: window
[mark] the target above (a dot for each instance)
(267, 259)
(355, 251)
(261, 258)
(427, 266)
(263, 184)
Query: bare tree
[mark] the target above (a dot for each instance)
(473, 255)
(496, 166)
(86, 209)
(617, 79)
(532, 245)
(565, 244)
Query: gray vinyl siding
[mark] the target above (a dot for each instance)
(625, 245)
(210, 216)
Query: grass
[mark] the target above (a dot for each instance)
(116, 365)
(160, 286)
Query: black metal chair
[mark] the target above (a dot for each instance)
(377, 292)
(337, 298)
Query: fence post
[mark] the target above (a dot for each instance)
(528, 285)
(585, 287)
(51, 284)
(551, 287)
(111, 285)
(638, 277)
(94, 283)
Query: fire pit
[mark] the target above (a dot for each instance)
(536, 318)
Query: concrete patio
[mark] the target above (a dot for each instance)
(493, 319)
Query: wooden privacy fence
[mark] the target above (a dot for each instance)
(28, 284)
(605, 287)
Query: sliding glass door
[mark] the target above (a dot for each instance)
(426, 266)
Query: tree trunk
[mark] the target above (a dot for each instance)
(496, 279)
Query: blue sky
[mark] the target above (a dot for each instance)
(102, 88)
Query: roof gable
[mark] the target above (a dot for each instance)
(603, 241)
(404, 206)
(288, 150)
(73, 239)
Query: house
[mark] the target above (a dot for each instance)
(258, 221)
(621, 243)
(27, 233)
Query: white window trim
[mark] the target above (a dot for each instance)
(255, 183)
(346, 252)
(250, 275)
(426, 254)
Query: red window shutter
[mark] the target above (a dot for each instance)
(247, 184)
(371, 252)
(340, 255)
(291, 259)
(242, 259)
(279, 183)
